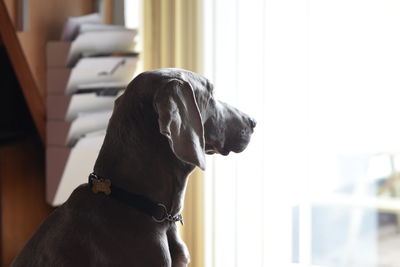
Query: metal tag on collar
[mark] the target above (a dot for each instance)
(168, 217)
(99, 185)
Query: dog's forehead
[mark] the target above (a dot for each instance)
(186, 75)
(198, 81)
(203, 91)
(200, 84)
(145, 86)
(202, 87)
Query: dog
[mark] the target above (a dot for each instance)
(161, 128)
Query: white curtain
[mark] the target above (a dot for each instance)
(322, 80)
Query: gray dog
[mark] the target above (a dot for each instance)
(126, 214)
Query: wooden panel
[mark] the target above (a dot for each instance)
(46, 20)
(57, 54)
(12, 9)
(22, 188)
(27, 50)
(24, 74)
(57, 80)
(108, 11)
(57, 132)
(56, 159)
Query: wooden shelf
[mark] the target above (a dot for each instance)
(25, 77)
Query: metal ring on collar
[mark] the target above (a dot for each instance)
(167, 216)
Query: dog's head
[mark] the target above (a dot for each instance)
(194, 122)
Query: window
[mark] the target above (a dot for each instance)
(318, 184)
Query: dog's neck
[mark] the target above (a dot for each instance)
(142, 162)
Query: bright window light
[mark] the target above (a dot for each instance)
(318, 184)
(131, 13)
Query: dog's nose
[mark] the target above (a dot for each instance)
(253, 123)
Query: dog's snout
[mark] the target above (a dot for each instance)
(253, 123)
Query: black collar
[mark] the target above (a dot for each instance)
(157, 211)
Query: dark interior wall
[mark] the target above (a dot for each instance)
(15, 119)
(23, 205)
(22, 170)
(22, 179)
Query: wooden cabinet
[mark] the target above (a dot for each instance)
(22, 158)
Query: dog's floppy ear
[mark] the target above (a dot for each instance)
(180, 121)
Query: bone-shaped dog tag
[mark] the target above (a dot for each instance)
(101, 185)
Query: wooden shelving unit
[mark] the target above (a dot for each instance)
(22, 161)
(24, 74)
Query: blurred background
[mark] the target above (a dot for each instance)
(319, 185)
